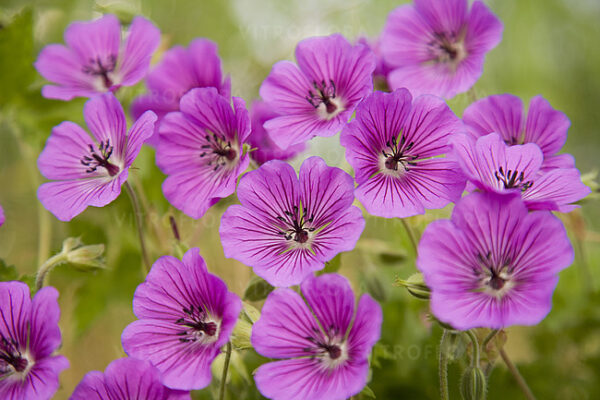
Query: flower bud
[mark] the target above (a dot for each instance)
(415, 286)
(473, 385)
(83, 256)
(454, 345)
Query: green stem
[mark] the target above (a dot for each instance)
(489, 337)
(443, 369)
(517, 375)
(46, 268)
(475, 359)
(225, 368)
(411, 234)
(139, 225)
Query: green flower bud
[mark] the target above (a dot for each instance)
(82, 256)
(473, 385)
(454, 345)
(416, 286)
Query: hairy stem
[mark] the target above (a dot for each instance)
(225, 368)
(138, 222)
(411, 234)
(489, 337)
(517, 375)
(475, 358)
(46, 268)
(443, 369)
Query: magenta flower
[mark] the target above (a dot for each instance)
(490, 164)
(201, 150)
(94, 60)
(126, 379)
(317, 96)
(382, 69)
(179, 71)
(326, 343)
(393, 145)
(185, 316)
(1, 216)
(29, 335)
(90, 170)
(438, 46)
(266, 149)
(493, 264)
(503, 114)
(285, 227)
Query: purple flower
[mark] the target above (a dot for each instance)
(393, 145)
(325, 344)
(185, 316)
(29, 335)
(1, 216)
(179, 71)
(438, 46)
(94, 60)
(285, 227)
(493, 264)
(503, 114)
(125, 379)
(90, 170)
(490, 164)
(201, 150)
(317, 96)
(266, 149)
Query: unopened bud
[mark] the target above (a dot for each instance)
(454, 345)
(83, 256)
(415, 284)
(473, 385)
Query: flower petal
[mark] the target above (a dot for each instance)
(141, 130)
(501, 113)
(546, 126)
(105, 118)
(285, 326)
(15, 311)
(95, 39)
(331, 299)
(44, 333)
(141, 42)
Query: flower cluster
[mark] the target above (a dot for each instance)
(493, 264)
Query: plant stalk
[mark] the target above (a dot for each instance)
(517, 375)
(139, 225)
(225, 368)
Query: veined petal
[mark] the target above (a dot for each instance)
(366, 328)
(105, 118)
(484, 29)
(502, 114)
(300, 379)
(44, 333)
(64, 151)
(546, 126)
(66, 199)
(331, 299)
(141, 130)
(95, 39)
(15, 311)
(556, 189)
(142, 40)
(445, 16)
(286, 326)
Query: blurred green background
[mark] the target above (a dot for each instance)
(550, 47)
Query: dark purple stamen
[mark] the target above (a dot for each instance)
(491, 272)
(512, 179)
(323, 94)
(100, 159)
(98, 67)
(297, 225)
(10, 354)
(195, 319)
(219, 149)
(397, 154)
(444, 46)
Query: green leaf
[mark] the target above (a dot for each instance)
(258, 289)
(332, 265)
(367, 392)
(7, 272)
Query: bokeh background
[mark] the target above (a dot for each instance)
(550, 47)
